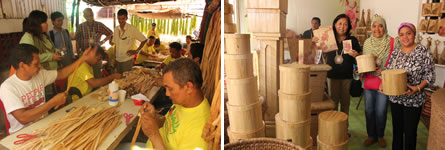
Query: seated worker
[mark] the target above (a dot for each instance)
(186, 46)
(23, 93)
(158, 46)
(175, 49)
(84, 78)
(146, 51)
(196, 50)
(184, 123)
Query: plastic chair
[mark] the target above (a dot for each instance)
(7, 125)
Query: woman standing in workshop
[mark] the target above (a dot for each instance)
(418, 62)
(35, 28)
(380, 44)
(340, 76)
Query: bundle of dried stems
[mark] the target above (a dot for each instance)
(83, 128)
(139, 81)
(211, 62)
(212, 129)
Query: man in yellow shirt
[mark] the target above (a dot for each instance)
(195, 53)
(158, 46)
(146, 51)
(84, 79)
(184, 122)
(175, 49)
(153, 31)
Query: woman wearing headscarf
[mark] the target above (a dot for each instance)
(35, 28)
(340, 76)
(418, 62)
(380, 44)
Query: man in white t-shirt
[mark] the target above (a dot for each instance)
(23, 94)
(125, 36)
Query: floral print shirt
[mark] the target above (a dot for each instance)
(419, 66)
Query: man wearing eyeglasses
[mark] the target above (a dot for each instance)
(125, 36)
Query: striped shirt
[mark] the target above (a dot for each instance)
(87, 30)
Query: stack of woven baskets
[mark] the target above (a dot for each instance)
(293, 122)
(244, 107)
(229, 26)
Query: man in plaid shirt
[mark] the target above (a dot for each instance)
(91, 30)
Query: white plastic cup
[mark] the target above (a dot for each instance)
(122, 94)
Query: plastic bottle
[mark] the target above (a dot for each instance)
(113, 93)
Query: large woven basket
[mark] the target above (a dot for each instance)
(262, 144)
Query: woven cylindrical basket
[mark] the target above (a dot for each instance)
(394, 82)
(294, 107)
(366, 63)
(294, 78)
(238, 66)
(333, 127)
(436, 138)
(246, 118)
(242, 91)
(324, 146)
(295, 132)
(237, 43)
(235, 136)
(262, 144)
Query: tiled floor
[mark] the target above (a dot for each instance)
(357, 128)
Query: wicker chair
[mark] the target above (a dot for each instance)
(262, 144)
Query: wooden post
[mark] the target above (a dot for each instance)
(269, 74)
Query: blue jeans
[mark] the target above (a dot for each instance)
(375, 109)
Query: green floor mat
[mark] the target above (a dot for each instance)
(357, 128)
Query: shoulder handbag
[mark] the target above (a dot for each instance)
(373, 82)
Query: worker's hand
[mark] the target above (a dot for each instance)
(378, 72)
(355, 71)
(149, 123)
(411, 90)
(57, 57)
(315, 39)
(381, 88)
(158, 82)
(353, 53)
(116, 75)
(131, 52)
(158, 67)
(59, 99)
(89, 52)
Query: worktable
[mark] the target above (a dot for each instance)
(110, 142)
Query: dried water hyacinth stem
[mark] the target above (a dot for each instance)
(83, 128)
(139, 81)
(212, 129)
(211, 62)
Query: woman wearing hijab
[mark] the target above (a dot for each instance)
(380, 44)
(418, 62)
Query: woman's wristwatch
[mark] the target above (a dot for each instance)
(418, 88)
